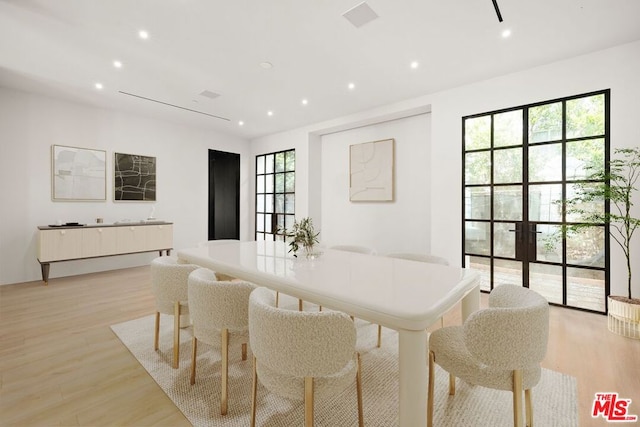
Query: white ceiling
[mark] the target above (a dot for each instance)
(63, 47)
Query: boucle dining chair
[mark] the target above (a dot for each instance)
(169, 282)
(219, 315)
(367, 251)
(421, 257)
(300, 354)
(499, 347)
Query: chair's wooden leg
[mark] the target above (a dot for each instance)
(176, 334)
(517, 398)
(528, 407)
(359, 390)
(194, 351)
(353, 319)
(319, 308)
(430, 397)
(379, 336)
(277, 298)
(442, 322)
(254, 392)
(244, 351)
(308, 401)
(225, 371)
(156, 337)
(300, 305)
(452, 384)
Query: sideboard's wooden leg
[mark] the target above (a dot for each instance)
(44, 267)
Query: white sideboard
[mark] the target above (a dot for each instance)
(66, 243)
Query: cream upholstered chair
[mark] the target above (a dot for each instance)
(499, 347)
(219, 315)
(414, 256)
(169, 285)
(360, 250)
(301, 354)
(420, 257)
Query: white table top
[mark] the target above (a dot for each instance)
(396, 293)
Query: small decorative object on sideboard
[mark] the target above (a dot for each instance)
(303, 234)
(617, 186)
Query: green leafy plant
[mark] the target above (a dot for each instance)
(302, 234)
(617, 185)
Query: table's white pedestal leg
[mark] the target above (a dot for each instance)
(412, 354)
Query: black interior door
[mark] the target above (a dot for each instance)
(224, 195)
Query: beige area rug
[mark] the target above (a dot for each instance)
(554, 398)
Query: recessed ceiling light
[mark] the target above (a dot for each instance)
(117, 64)
(240, 123)
(351, 86)
(266, 65)
(143, 34)
(269, 113)
(305, 102)
(506, 33)
(99, 86)
(414, 64)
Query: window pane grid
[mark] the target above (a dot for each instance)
(275, 194)
(519, 166)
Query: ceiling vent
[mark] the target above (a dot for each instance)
(209, 94)
(360, 14)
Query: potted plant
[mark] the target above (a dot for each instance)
(616, 185)
(302, 235)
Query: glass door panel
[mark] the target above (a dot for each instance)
(507, 203)
(508, 166)
(507, 272)
(483, 266)
(477, 203)
(477, 133)
(478, 168)
(545, 122)
(547, 281)
(477, 238)
(548, 246)
(545, 163)
(585, 288)
(545, 202)
(586, 247)
(507, 129)
(504, 239)
(520, 166)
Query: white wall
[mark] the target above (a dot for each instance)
(398, 226)
(31, 124)
(617, 68)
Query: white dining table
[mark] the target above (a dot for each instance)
(408, 296)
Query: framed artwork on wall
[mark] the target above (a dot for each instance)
(78, 174)
(371, 171)
(134, 178)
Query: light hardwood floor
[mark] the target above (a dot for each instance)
(60, 364)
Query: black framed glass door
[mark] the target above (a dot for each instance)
(520, 165)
